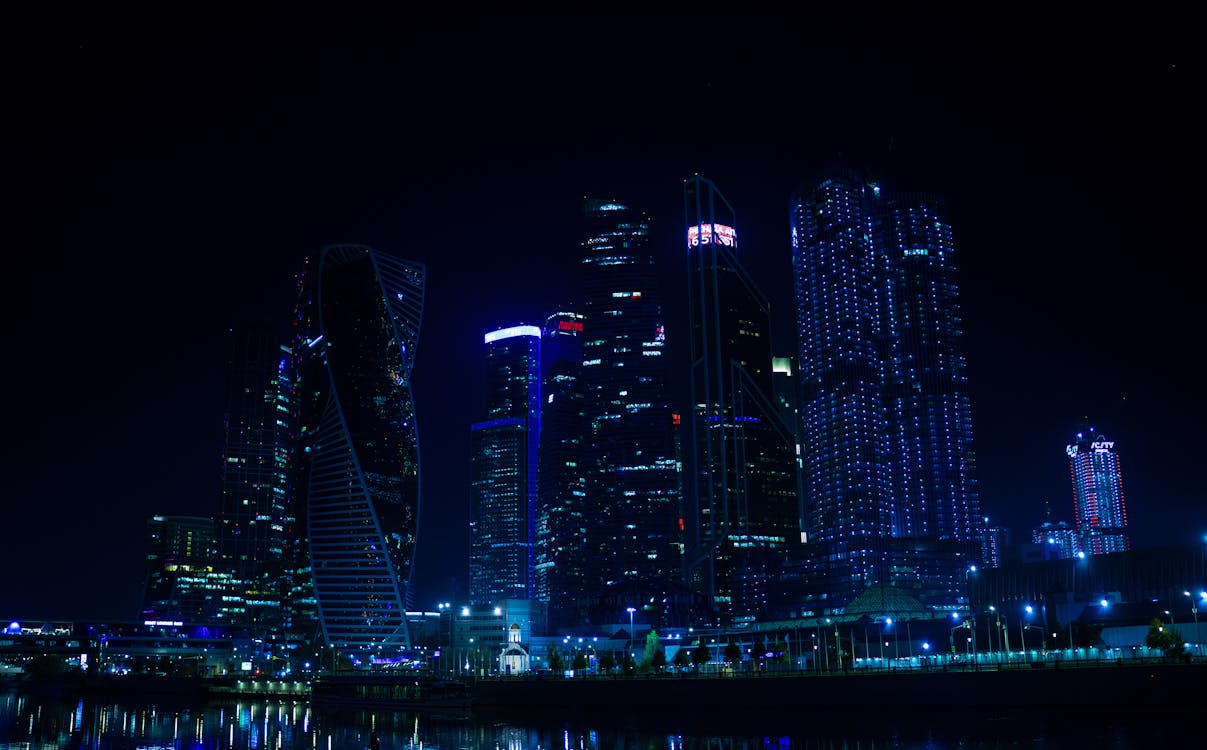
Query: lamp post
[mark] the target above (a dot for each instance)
(1194, 611)
(971, 610)
(1022, 637)
(630, 610)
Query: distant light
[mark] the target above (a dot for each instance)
(1081, 555)
(972, 568)
(925, 646)
(955, 616)
(465, 611)
(1029, 609)
(888, 621)
(508, 333)
(1104, 603)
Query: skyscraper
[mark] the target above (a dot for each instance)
(184, 582)
(886, 422)
(748, 511)
(634, 534)
(928, 451)
(561, 522)
(504, 456)
(359, 442)
(836, 273)
(258, 429)
(1098, 507)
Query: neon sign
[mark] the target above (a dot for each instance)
(702, 234)
(570, 325)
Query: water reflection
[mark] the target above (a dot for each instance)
(35, 722)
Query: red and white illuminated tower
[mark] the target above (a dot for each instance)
(1098, 506)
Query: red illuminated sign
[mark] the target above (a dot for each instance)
(569, 325)
(702, 234)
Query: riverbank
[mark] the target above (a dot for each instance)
(1152, 685)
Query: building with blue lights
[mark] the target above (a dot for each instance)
(634, 536)
(748, 512)
(885, 416)
(836, 274)
(928, 449)
(359, 444)
(503, 473)
(1098, 507)
(258, 431)
(561, 518)
(184, 581)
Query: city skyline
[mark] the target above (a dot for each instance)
(188, 214)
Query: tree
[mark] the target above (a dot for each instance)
(682, 660)
(701, 654)
(733, 654)
(653, 657)
(580, 661)
(758, 651)
(1168, 640)
(628, 665)
(607, 662)
(556, 662)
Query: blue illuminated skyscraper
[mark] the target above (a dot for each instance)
(837, 275)
(258, 430)
(1098, 507)
(504, 457)
(928, 416)
(748, 512)
(886, 422)
(561, 524)
(635, 528)
(359, 443)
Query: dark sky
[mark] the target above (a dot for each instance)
(165, 174)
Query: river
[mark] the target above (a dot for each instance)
(33, 723)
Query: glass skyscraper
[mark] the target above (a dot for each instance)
(1098, 508)
(886, 422)
(928, 448)
(748, 504)
(359, 443)
(836, 274)
(256, 454)
(184, 582)
(562, 485)
(634, 522)
(504, 457)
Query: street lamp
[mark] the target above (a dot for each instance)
(1022, 638)
(971, 610)
(1194, 610)
(630, 610)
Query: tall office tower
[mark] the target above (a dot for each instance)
(503, 475)
(255, 463)
(299, 607)
(748, 504)
(184, 582)
(836, 273)
(634, 538)
(562, 486)
(359, 441)
(1098, 506)
(998, 542)
(928, 451)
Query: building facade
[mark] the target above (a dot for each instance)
(561, 519)
(184, 581)
(360, 444)
(258, 430)
(886, 425)
(748, 504)
(634, 520)
(504, 459)
(836, 274)
(1099, 511)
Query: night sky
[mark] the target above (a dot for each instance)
(165, 175)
